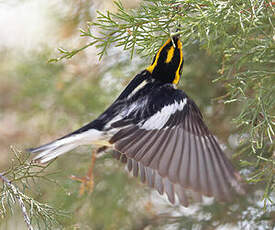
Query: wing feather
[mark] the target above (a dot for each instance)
(123, 133)
(175, 156)
(169, 190)
(173, 170)
(155, 152)
(155, 162)
(131, 143)
(204, 164)
(194, 169)
(135, 168)
(218, 176)
(159, 184)
(129, 164)
(142, 172)
(185, 160)
(166, 159)
(150, 176)
(152, 149)
(181, 195)
(141, 144)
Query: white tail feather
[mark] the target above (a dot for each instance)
(61, 146)
(50, 154)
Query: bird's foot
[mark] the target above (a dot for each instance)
(87, 182)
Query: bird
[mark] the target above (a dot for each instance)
(159, 132)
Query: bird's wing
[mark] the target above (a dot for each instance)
(169, 145)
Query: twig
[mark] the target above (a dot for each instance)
(20, 201)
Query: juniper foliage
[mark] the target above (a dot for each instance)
(17, 187)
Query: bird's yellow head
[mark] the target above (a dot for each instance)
(168, 61)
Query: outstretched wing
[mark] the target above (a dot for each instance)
(169, 145)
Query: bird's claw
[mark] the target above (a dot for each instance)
(87, 183)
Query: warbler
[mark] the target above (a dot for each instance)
(159, 132)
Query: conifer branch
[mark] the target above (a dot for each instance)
(19, 198)
(22, 173)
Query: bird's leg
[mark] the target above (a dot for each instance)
(87, 182)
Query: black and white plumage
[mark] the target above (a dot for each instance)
(159, 132)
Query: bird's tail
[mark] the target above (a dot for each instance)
(60, 146)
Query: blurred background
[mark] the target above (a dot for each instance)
(41, 101)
